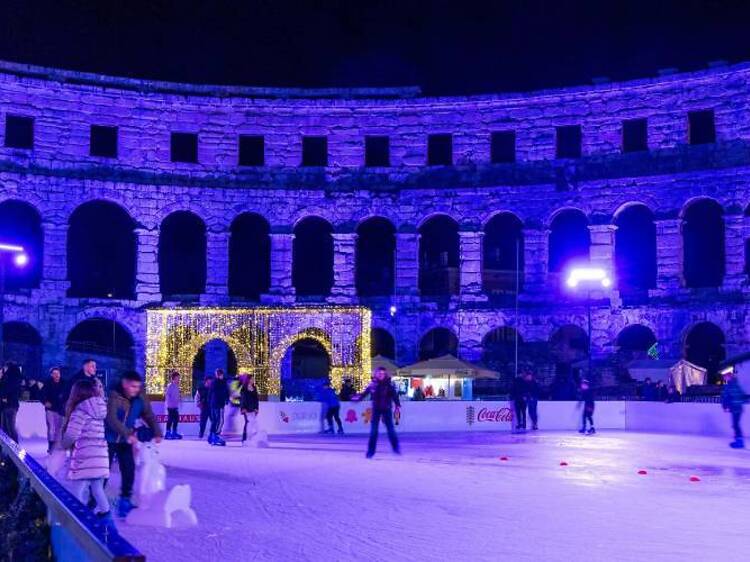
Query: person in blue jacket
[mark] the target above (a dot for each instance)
(733, 399)
(333, 407)
(218, 398)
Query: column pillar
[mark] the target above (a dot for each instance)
(217, 268)
(407, 266)
(54, 283)
(734, 229)
(470, 263)
(535, 260)
(344, 246)
(147, 265)
(668, 254)
(281, 289)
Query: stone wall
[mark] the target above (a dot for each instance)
(58, 175)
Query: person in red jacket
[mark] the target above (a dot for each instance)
(384, 396)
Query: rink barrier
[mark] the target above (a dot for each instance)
(76, 534)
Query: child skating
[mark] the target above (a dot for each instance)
(587, 397)
(733, 399)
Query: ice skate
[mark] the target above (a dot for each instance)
(591, 431)
(176, 436)
(341, 432)
(124, 506)
(737, 444)
(168, 436)
(219, 442)
(582, 430)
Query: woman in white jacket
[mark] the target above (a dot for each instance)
(83, 431)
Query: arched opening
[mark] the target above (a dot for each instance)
(101, 252)
(382, 343)
(502, 251)
(704, 346)
(312, 259)
(569, 240)
(438, 342)
(635, 249)
(634, 341)
(22, 344)
(249, 257)
(439, 257)
(21, 224)
(304, 368)
(569, 344)
(703, 244)
(375, 258)
(214, 354)
(106, 341)
(182, 255)
(499, 350)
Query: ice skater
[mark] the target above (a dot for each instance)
(733, 399)
(249, 404)
(384, 396)
(53, 397)
(332, 406)
(172, 401)
(587, 397)
(201, 402)
(218, 398)
(518, 395)
(531, 397)
(83, 432)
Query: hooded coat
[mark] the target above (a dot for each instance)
(84, 432)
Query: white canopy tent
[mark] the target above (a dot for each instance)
(448, 373)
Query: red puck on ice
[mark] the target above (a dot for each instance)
(695, 479)
(503, 458)
(642, 472)
(563, 463)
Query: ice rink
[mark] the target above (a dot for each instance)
(452, 497)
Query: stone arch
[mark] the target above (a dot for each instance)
(569, 343)
(502, 254)
(703, 237)
(704, 345)
(635, 248)
(22, 344)
(21, 224)
(382, 343)
(634, 340)
(439, 256)
(280, 349)
(182, 255)
(109, 342)
(101, 251)
(249, 256)
(375, 257)
(569, 239)
(499, 349)
(312, 257)
(438, 342)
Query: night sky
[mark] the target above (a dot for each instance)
(445, 47)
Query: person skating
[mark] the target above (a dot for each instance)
(384, 396)
(201, 402)
(53, 397)
(333, 407)
(126, 405)
(86, 372)
(587, 397)
(517, 394)
(733, 399)
(347, 391)
(249, 404)
(218, 398)
(10, 394)
(172, 399)
(531, 397)
(83, 432)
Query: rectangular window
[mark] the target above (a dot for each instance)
(701, 127)
(634, 135)
(569, 141)
(440, 150)
(184, 147)
(377, 151)
(103, 141)
(314, 151)
(19, 131)
(503, 147)
(252, 150)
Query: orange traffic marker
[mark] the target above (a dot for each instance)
(503, 458)
(563, 463)
(642, 472)
(695, 479)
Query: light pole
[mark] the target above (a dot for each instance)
(589, 278)
(20, 259)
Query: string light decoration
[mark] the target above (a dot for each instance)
(259, 338)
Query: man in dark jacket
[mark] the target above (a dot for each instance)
(347, 391)
(87, 372)
(218, 398)
(531, 398)
(53, 397)
(733, 399)
(201, 401)
(517, 394)
(384, 396)
(126, 405)
(10, 393)
(333, 407)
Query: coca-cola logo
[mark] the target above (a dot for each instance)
(499, 416)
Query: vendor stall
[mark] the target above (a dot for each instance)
(445, 377)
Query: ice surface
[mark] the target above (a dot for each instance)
(452, 498)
